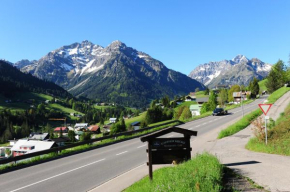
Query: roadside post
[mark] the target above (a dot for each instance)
(168, 150)
(265, 108)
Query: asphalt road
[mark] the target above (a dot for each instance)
(84, 171)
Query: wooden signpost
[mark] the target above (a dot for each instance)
(168, 150)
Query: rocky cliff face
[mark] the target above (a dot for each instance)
(239, 70)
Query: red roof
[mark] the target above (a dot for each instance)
(58, 128)
(94, 128)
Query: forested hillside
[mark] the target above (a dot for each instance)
(12, 81)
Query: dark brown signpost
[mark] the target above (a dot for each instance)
(168, 150)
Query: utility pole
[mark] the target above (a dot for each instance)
(242, 100)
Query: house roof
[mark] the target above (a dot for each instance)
(113, 119)
(238, 94)
(81, 124)
(168, 130)
(192, 93)
(39, 136)
(136, 123)
(93, 127)
(79, 132)
(38, 145)
(58, 128)
(202, 99)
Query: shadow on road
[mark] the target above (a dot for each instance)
(242, 163)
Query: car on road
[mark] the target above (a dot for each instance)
(219, 111)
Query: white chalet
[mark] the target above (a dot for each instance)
(113, 120)
(25, 146)
(81, 126)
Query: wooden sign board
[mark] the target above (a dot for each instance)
(169, 143)
(168, 150)
(170, 156)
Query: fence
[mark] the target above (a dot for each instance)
(58, 149)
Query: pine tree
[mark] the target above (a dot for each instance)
(71, 135)
(212, 101)
(223, 97)
(254, 87)
(234, 88)
(277, 77)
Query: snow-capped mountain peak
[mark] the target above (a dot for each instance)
(237, 70)
(115, 45)
(240, 58)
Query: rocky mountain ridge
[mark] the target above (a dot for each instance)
(116, 73)
(239, 70)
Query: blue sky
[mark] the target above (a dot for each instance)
(181, 34)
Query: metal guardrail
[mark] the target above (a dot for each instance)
(58, 149)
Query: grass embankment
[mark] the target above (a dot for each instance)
(278, 137)
(245, 121)
(81, 148)
(240, 125)
(203, 173)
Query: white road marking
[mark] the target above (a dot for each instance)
(122, 153)
(197, 126)
(58, 175)
(141, 146)
(203, 124)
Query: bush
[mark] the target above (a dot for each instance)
(86, 136)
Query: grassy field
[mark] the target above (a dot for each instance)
(203, 173)
(4, 144)
(134, 119)
(65, 110)
(19, 103)
(278, 137)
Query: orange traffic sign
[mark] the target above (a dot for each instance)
(265, 108)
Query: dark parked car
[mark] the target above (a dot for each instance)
(219, 111)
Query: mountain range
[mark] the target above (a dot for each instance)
(115, 73)
(239, 70)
